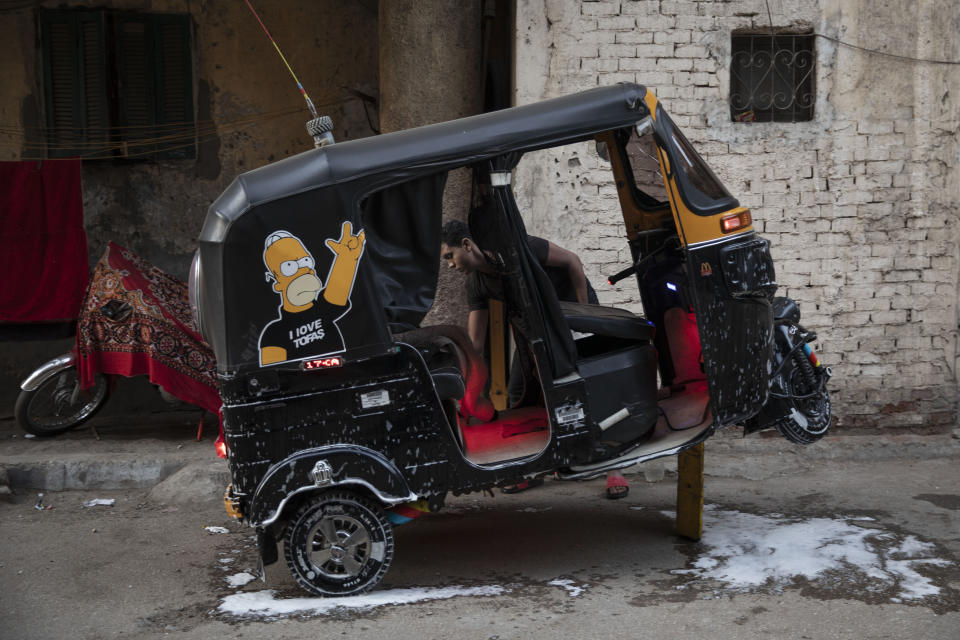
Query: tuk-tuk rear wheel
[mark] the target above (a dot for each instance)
(338, 543)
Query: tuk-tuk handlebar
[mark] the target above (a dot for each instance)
(635, 267)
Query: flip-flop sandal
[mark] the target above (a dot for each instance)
(522, 486)
(617, 488)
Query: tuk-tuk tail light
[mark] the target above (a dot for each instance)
(736, 221)
(221, 446)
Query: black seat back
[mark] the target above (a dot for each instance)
(607, 321)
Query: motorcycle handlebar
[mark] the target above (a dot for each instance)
(634, 268)
(617, 277)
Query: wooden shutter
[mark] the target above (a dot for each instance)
(175, 83)
(155, 85)
(133, 44)
(118, 84)
(74, 62)
(94, 77)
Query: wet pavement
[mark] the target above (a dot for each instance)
(796, 546)
(854, 537)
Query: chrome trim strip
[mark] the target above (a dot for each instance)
(412, 497)
(708, 243)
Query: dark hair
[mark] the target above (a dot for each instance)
(453, 233)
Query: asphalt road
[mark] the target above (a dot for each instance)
(559, 561)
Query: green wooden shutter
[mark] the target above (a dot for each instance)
(74, 62)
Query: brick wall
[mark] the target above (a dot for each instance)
(860, 204)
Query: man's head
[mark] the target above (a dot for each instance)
(291, 267)
(459, 250)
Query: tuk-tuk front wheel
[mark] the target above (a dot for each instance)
(338, 543)
(804, 405)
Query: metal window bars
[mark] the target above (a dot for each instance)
(772, 77)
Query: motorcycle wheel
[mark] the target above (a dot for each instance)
(338, 543)
(805, 412)
(58, 404)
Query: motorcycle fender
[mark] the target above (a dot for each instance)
(48, 369)
(786, 310)
(322, 468)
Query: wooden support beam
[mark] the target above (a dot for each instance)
(690, 493)
(498, 355)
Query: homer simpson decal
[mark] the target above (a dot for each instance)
(307, 324)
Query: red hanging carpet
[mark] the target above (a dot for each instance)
(43, 247)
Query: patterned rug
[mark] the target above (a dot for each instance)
(135, 321)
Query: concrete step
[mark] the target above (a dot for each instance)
(115, 452)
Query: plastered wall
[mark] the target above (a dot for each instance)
(241, 89)
(243, 95)
(861, 204)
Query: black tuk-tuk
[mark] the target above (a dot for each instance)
(313, 276)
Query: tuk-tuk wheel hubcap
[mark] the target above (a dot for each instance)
(340, 546)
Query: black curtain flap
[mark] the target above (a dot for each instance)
(402, 225)
(540, 302)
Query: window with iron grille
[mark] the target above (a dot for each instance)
(772, 77)
(117, 85)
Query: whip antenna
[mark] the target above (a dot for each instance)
(320, 127)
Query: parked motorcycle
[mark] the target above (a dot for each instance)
(135, 320)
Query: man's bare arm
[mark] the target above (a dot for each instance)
(477, 328)
(560, 257)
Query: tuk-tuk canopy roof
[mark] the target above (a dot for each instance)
(391, 187)
(381, 160)
(467, 140)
